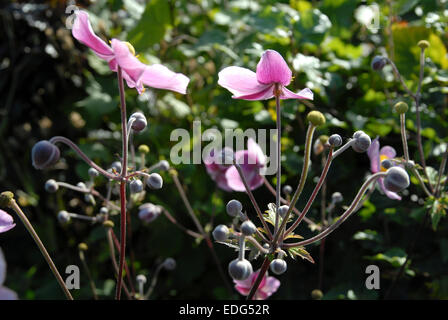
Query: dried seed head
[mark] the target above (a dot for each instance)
(423, 44)
(143, 148)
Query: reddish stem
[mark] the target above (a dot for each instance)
(264, 268)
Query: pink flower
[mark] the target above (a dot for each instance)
(5, 293)
(376, 156)
(6, 222)
(252, 161)
(272, 70)
(121, 54)
(267, 287)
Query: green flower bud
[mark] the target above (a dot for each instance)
(423, 44)
(83, 247)
(316, 118)
(401, 107)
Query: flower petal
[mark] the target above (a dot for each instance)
(255, 150)
(159, 76)
(6, 222)
(240, 81)
(83, 32)
(266, 93)
(389, 194)
(2, 268)
(303, 94)
(127, 61)
(272, 68)
(7, 294)
(374, 155)
(388, 151)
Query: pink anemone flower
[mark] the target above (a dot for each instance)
(6, 222)
(268, 286)
(376, 156)
(120, 53)
(272, 72)
(217, 169)
(5, 293)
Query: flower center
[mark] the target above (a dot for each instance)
(383, 157)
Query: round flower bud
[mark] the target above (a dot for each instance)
(148, 212)
(316, 118)
(240, 269)
(104, 210)
(396, 180)
(316, 294)
(287, 189)
(169, 264)
(362, 141)
(387, 163)
(81, 185)
(335, 140)
(63, 217)
(100, 218)
(141, 279)
(51, 186)
(143, 148)
(248, 228)
(164, 165)
(83, 247)
(234, 207)
(283, 210)
(136, 186)
(116, 165)
(378, 63)
(278, 266)
(337, 197)
(139, 122)
(423, 44)
(221, 233)
(108, 224)
(44, 154)
(155, 181)
(401, 107)
(93, 173)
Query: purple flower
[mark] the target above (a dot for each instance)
(376, 156)
(121, 54)
(252, 161)
(6, 222)
(5, 293)
(267, 286)
(272, 71)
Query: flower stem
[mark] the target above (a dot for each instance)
(13, 204)
(263, 269)
(89, 275)
(279, 159)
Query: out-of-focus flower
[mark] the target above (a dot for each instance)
(376, 156)
(272, 74)
(5, 293)
(267, 286)
(121, 54)
(148, 212)
(217, 168)
(6, 221)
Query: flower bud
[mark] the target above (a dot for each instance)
(83, 246)
(401, 107)
(169, 264)
(141, 279)
(316, 294)
(278, 266)
(287, 189)
(104, 210)
(155, 181)
(136, 186)
(51, 186)
(164, 165)
(248, 228)
(240, 269)
(93, 173)
(234, 207)
(139, 122)
(362, 141)
(283, 210)
(143, 148)
(116, 165)
(337, 197)
(221, 233)
(423, 44)
(81, 185)
(44, 154)
(148, 212)
(63, 217)
(335, 140)
(387, 163)
(378, 63)
(396, 180)
(316, 118)
(108, 224)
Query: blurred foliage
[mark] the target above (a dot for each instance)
(52, 85)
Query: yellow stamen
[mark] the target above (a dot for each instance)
(383, 157)
(131, 48)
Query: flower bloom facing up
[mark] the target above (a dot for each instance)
(5, 293)
(376, 156)
(121, 54)
(252, 162)
(271, 78)
(6, 222)
(267, 287)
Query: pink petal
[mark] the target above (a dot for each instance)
(303, 94)
(83, 32)
(265, 94)
(256, 151)
(158, 76)
(240, 81)
(272, 68)
(7, 294)
(389, 194)
(253, 178)
(131, 66)
(2, 268)
(388, 151)
(374, 155)
(271, 286)
(6, 222)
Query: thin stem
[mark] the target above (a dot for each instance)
(153, 281)
(279, 158)
(83, 156)
(441, 171)
(263, 269)
(352, 208)
(174, 221)
(114, 262)
(89, 275)
(126, 267)
(13, 204)
(398, 75)
(403, 137)
(343, 148)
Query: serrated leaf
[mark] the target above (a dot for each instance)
(294, 236)
(269, 215)
(301, 252)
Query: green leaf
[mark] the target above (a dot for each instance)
(395, 256)
(152, 26)
(301, 252)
